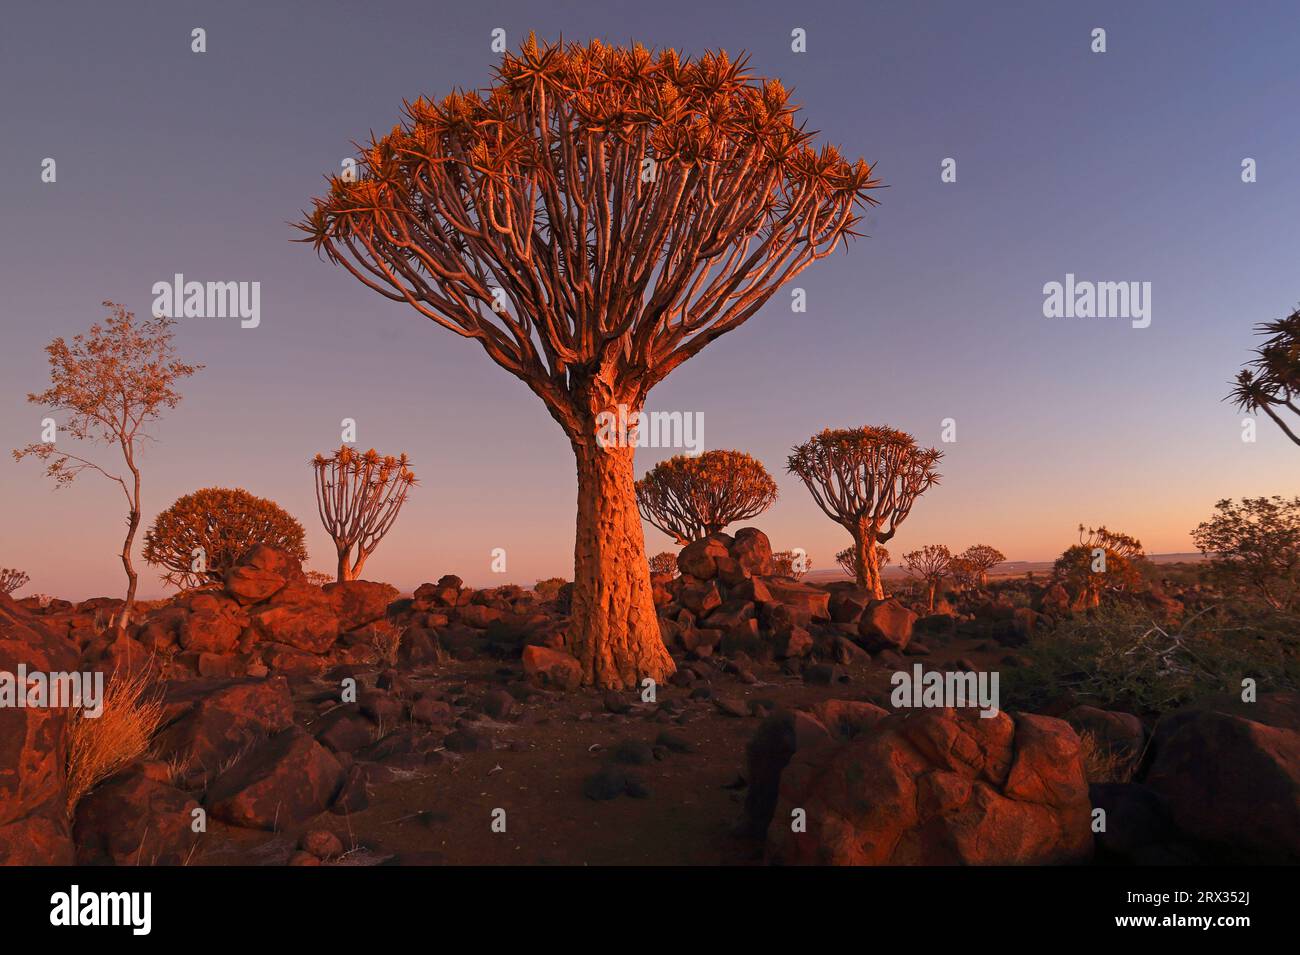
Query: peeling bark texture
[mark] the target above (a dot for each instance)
(615, 631)
(867, 561)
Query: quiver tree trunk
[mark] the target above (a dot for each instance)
(867, 561)
(614, 631)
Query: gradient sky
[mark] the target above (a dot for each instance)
(1122, 166)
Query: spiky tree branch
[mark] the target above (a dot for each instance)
(1271, 382)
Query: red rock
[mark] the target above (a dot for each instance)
(322, 843)
(291, 662)
(728, 615)
(32, 744)
(553, 668)
(135, 820)
(359, 602)
(803, 603)
(162, 628)
(306, 627)
(344, 730)
(207, 631)
(282, 782)
(477, 616)
(886, 625)
(938, 787)
(250, 585)
(1230, 782)
(752, 550)
(40, 838)
(420, 647)
(792, 642)
(210, 721)
(698, 558)
(700, 599)
(265, 557)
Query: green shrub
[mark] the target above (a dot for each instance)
(1119, 657)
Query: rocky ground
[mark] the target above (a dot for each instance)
(347, 725)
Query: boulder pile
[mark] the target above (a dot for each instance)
(728, 601)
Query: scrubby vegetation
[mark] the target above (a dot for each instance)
(100, 746)
(203, 534)
(1121, 656)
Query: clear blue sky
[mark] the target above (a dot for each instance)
(1122, 166)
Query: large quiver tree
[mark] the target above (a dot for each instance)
(593, 220)
(866, 480)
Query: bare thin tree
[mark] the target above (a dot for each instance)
(866, 480)
(112, 383)
(358, 496)
(593, 220)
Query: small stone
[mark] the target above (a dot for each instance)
(322, 843)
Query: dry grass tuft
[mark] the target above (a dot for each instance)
(386, 640)
(1101, 764)
(99, 747)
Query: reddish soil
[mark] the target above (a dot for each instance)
(442, 814)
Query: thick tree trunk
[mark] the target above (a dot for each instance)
(930, 588)
(614, 631)
(345, 569)
(867, 561)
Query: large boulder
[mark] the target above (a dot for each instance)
(212, 721)
(886, 625)
(938, 787)
(268, 558)
(281, 783)
(1230, 782)
(803, 602)
(301, 618)
(251, 585)
(32, 746)
(212, 626)
(752, 550)
(787, 732)
(135, 820)
(699, 558)
(552, 668)
(359, 602)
